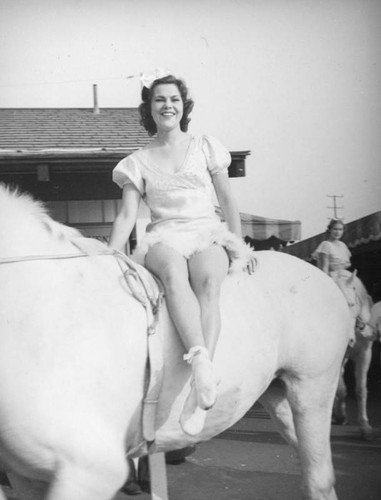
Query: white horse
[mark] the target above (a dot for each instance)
(360, 352)
(375, 320)
(73, 354)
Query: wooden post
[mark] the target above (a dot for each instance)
(95, 96)
(158, 476)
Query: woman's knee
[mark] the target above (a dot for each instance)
(172, 278)
(171, 274)
(169, 267)
(207, 271)
(208, 287)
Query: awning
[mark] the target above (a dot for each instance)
(363, 231)
(263, 228)
(259, 228)
(358, 232)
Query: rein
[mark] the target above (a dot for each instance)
(29, 258)
(148, 291)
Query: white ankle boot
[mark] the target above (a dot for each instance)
(202, 376)
(203, 391)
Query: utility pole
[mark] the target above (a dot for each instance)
(335, 207)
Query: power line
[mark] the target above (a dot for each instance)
(67, 81)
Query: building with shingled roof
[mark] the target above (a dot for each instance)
(65, 157)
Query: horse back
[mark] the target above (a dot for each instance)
(287, 319)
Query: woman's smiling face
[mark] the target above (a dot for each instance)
(167, 106)
(337, 230)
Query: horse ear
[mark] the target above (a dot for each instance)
(354, 273)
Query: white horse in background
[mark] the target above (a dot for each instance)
(73, 357)
(375, 320)
(360, 352)
(375, 323)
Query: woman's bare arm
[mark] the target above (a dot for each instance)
(227, 203)
(126, 218)
(323, 262)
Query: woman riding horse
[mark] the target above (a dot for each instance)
(186, 245)
(332, 255)
(334, 258)
(73, 361)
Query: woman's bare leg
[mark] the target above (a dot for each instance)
(207, 270)
(172, 269)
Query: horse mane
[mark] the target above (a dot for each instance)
(16, 202)
(13, 199)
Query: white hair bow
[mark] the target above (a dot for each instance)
(147, 80)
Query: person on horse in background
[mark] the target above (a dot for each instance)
(332, 255)
(186, 245)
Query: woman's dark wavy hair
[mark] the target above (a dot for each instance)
(145, 107)
(334, 221)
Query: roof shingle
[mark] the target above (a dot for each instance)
(34, 129)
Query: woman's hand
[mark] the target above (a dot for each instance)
(252, 264)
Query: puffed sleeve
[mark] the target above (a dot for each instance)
(322, 248)
(217, 156)
(128, 172)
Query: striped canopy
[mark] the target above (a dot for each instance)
(359, 232)
(265, 233)
(263, 228)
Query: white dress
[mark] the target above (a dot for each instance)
(339, 257)
(183, 215)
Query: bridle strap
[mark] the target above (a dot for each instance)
(30, 258)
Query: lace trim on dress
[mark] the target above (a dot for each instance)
(150, 164)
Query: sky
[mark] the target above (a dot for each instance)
(296, 82)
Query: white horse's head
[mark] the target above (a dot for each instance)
(375, 321)
(359, 302)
